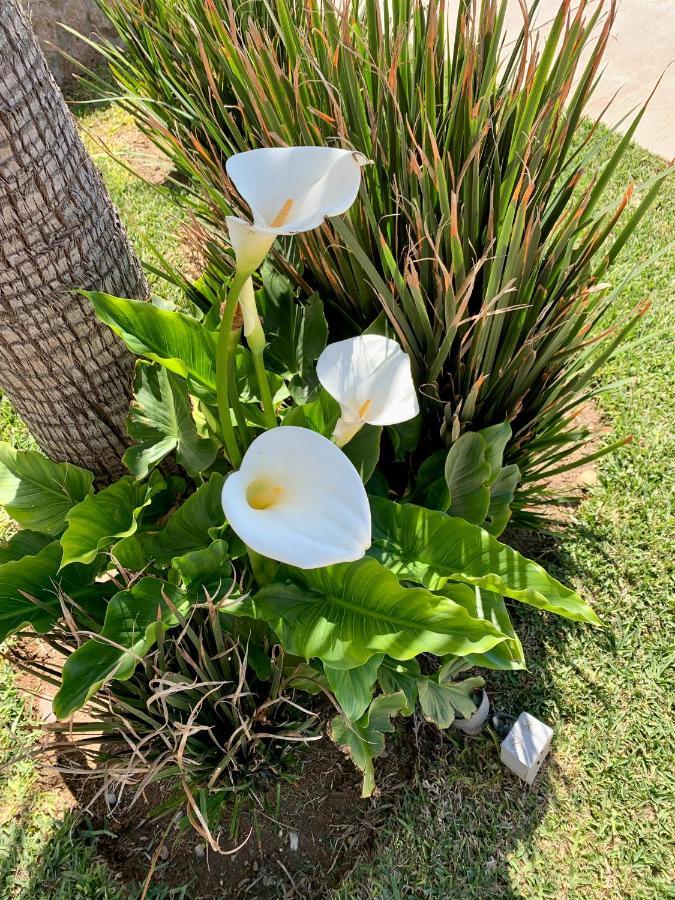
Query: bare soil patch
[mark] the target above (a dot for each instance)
(127, 144)
(297, 839)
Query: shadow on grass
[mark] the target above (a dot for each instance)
(463, 822)
(44, 860)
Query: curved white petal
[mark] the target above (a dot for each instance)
(293, 189)
(250, 244)
(318, 513)
(370, 377)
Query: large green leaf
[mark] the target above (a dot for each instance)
(502, 492)
(432, 548)
(364, 450)
(503, 479)
(363, 740)
(175, 340)
(440, 700)
(395, 675)
(23, 543)
(431, 488)
(496, 437)
(482, 604)
(206, 571)
(29, 589)
(347, 613)
(353, 688)
(104, 518)
(36, 492)
(467, 474)
(320, 415)
(296, 332)
(133, 621)
(160, 421)
(194, 524)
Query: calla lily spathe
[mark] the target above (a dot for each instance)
(371, 379)
(253, 331)
(289, 190)
(297, 499)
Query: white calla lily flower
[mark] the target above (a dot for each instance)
(297, 499)
(289, 190)
(371, 379)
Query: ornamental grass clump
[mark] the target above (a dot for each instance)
(483, 237)
(199, 723)
(283, 557)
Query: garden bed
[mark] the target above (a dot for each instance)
(459, 797)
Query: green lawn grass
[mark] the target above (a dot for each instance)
(599, 822)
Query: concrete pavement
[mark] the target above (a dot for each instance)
(640, 49)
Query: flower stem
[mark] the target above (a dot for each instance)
(264, 386)
(237, 407)
(222, 369)
(212, 422)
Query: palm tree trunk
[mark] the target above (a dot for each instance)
(66, 374)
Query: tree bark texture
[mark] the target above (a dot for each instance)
(66, 374)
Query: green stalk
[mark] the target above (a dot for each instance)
(237, 407)
(264, 386)
(222, 360)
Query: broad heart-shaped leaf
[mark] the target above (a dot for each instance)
(296, 333)
(106, 517)
(363, 741)
(38, 493)
(496, 437)
(405, 436)
(502, 492)
(160, 420)
(320, 415)
(194, 524)
(132, 621)
(435, 702)
(353, 688)
(364, 450)
(431, 488)
(206, 571)
(23, 543)
(440, 701)
(29, 589)
(432, 548)
(175, 340)
(246, 380)
(347, 613)
(482, 604)
(394, 676)
(467, 474)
